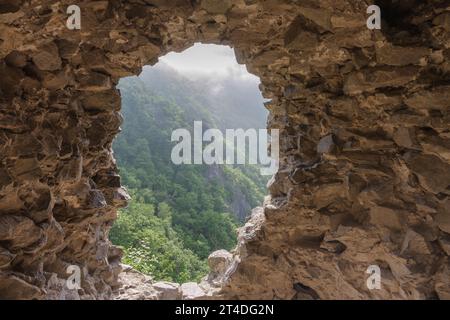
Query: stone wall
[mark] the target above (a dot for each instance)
(365, 142)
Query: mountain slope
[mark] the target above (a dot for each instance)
(195, 208)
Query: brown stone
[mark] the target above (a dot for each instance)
(16, 59)
(19, 231)
(26, 169)
(219, 261)
(95, 81)
(359, 82)
(444, 243)
(385, 217)
(399, 56)
(192, 291)
(443, 221)
(47, 58)
(5, 258)
(167, 290)
(402, 137)
(320, 17)
(438, 98)
(216, 7)
(364, 154)
(414, 243)
(433, 173)
(98, 101)
(12, 288)
(5, 179)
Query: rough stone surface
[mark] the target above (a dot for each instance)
(135, 286)
(192, 291)
(364, 157)
(219, 261)
(167, 290)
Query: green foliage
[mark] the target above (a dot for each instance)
(153, 247)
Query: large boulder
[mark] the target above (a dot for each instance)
(192, 291)
(167, 290)
(219, 261)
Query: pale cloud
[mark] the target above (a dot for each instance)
(208, 60)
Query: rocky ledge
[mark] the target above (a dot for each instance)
(137, 286)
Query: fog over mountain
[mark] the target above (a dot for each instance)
(233, 101)
(207, 60)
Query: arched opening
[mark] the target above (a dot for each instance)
(364, 165)
(182, 212)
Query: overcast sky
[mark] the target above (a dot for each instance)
(209, 60)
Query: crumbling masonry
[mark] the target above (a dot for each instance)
(364, 116)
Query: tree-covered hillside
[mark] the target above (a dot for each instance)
(180, 214)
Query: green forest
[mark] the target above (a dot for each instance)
(179, 214)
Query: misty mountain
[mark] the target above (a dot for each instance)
(224, 102)
(182, 213)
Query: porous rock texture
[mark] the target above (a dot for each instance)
(364, 158)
